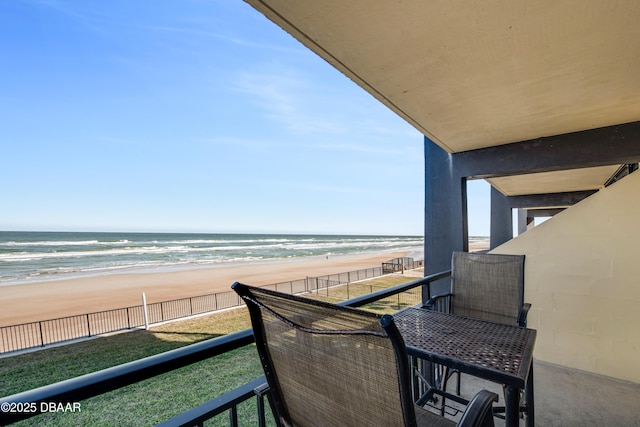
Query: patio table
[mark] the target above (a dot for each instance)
(492, 351)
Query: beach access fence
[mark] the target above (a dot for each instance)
(45, 332)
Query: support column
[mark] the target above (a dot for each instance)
(501, 219)
(445, 211)
(524, 221)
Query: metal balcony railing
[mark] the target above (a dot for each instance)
(110, 379)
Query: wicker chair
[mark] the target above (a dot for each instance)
(328, 365)
(484, 286)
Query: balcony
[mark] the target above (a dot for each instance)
(563, 396)
(495, 101)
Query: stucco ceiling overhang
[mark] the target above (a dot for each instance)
(484, 73)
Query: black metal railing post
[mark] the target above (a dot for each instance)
(41, 335)
(260, 393)
(233, 416)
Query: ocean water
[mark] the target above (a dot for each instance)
(42, 256)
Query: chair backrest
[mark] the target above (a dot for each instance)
(487, 286)
(329, 365)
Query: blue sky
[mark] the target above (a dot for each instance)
(194, 116)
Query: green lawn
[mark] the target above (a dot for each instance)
(147, 402)
(164, 396)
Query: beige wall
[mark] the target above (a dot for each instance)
(582, 277)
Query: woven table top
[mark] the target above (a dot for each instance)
(489, 350)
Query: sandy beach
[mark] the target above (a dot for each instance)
(52, 299)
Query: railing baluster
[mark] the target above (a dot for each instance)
(233, 416)
(41, 338)
(262, 422)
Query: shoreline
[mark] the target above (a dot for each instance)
(35, 301)
(174, 268)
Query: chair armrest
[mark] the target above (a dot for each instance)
(479, 412)
(431, 301)
(522, 316)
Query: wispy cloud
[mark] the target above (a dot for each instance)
(99, 17)
(60, 6)
(387, 149)
(89, 19)
(290, 97)
(291, 100)
(343, 145)
(312, 187)
(225, 37)
(234, 141)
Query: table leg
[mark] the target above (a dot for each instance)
(512, 406)
(529, 399)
